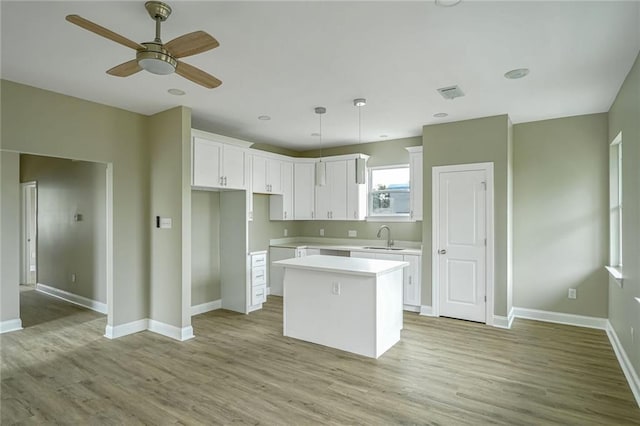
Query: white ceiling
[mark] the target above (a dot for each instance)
(282, 59)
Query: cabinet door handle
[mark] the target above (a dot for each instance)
(328, 215)
(220, 180)
(443, 251)
(355, 214)
(411, 214)
(285, 215)
(225, 181)
(312, 216)
(409, 279)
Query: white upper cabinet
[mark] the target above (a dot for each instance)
(331, 198)
(356, 194)
(281, 206)
(304, 191)
(267, 175)
(217, 165)
(415, 167)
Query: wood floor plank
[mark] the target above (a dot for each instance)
(240, 369)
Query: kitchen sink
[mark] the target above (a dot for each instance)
(383, 248)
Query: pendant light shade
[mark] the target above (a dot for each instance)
(360, 162)
(321, 166)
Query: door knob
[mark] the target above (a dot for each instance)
(443, 251)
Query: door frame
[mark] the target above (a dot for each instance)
(435, 220)
(24, 248)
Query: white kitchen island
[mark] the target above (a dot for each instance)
(345, 303)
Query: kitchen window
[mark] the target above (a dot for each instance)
(389, 192)
(615, 209)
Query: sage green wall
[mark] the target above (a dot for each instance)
(9, 236)
(261, 229)
(382, 153)
(386, 153)
(37, 121)
(471, 141)
(624, 311)
(166, 192)
(66, 246)
(205, 247)
(561, 203)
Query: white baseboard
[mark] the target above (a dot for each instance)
(504, 322)
(206, 307)
(625, 363)
(177, 333)
(411, 308)
(111, 332)
(562, 318)
(10, 325)
(94, 305)
(427, 311)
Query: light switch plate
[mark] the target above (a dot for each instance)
(165, 223)
(353, 233)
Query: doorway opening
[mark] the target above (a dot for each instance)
(65, 245)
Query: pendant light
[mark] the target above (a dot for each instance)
(360, 162)
(321, 169)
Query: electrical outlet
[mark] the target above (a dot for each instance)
(353, 233)
(572, 293)
(335, 288)
(73, 278)
(286, 232)
(322, 232)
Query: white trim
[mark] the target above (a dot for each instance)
(109, 243)
(625, 363)
(112, 332)
(10, 325)
(24, 219)
(219, 138)
(426, 311)
(504, 322)
(85, 302)
(616, 274)
(561, 318)
(398, 218)
(206, 307)
(411, 308)
(490, 234)
(171, 331)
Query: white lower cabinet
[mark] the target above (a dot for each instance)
(258, 291)
(411, 276)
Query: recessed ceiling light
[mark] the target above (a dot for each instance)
(517, 73)
(264, 118)
(176, 92)
(315, 134)
(440, 114)
(447, 3)
(383, 136)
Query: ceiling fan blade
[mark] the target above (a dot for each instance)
(191, 44)
(126, 69)
(197, 75)
(102, 31)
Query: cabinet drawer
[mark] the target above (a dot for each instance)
(258, 295)
(258, 260)
(258, 276)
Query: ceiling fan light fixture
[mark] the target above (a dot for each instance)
(156, 61)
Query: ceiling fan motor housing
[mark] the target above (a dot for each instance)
(156, 59)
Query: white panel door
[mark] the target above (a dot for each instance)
(412, 281)
(233, 167)
(259, 175)
(274, 176)
(304, 191)
(461, 244)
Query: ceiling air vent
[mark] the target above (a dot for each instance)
(450, 92)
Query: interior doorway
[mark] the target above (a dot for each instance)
(463, 275)
(29, 233)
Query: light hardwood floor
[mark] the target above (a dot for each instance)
(240, 369)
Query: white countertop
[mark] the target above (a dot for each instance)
(348, 247)
(343, 265)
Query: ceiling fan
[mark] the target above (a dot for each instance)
(155, 56)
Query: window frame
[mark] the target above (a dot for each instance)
(615, 209)
(395, 217)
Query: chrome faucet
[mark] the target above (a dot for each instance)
(389, 241)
